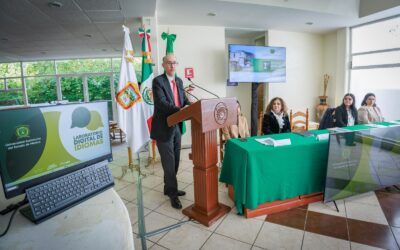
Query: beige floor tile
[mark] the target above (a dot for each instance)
(257, 248)
(138, 243)
(153, 199)
(185, 177)
(129, 192)
(211, 228)
(217, 241)
(159, 173)
(224, 199)
(167, 209)
(316, 241)
(185, 237)
(155, 221)
(181, 186)
(157, 247)
(328, 208)
(366, 198)
(116, 172)
(120, 184)
(273, 236)
(152, 181)
(130, 176)
(365, 212)
(189, 193)
(249, 228)
(222, 187)
(357, 246)
(133, 212)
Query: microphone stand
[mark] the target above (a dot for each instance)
(190, 80)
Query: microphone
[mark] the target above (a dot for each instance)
(190, 80)
(187, 92)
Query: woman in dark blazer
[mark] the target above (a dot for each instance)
(346, 114)
(276, 119)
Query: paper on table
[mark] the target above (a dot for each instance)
(321, 137)
(275, 143)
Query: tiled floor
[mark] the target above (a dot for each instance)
(368, 221)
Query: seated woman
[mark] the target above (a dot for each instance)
(276, 119)
(346, 114)
(369, 112)
(241, 130)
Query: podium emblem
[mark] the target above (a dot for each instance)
(220, 113)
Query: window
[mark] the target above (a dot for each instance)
(41, 89)
(375, 64)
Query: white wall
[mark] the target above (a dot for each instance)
(243, 91)
(202, 48)
(304, 69)
(336, 63)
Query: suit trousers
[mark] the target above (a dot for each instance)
(170, 151)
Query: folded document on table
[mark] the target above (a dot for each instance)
(275, 143)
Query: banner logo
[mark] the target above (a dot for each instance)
(129, 95)
(22, 131)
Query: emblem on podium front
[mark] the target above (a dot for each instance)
(220, 113)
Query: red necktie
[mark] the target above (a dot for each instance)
(176, 96)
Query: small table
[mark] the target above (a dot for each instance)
(101, 222)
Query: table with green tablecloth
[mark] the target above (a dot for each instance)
(261, 173)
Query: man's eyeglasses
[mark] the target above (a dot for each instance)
(172, 63)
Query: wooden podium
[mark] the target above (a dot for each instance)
(206, 117)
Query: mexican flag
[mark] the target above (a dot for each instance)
(147, 77)
(170, 50)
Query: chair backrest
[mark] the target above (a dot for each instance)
(299, 121)
(328, 119)
(222, 142)
(260, 123)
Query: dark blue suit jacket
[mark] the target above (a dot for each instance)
(164, 106)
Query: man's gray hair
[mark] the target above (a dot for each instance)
(164, 59)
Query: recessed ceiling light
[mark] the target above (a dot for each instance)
(88, 35)
(55, 4)
(211, 14)
(309, 23)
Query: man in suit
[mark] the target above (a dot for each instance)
(169, 98)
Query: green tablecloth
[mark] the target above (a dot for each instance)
(261, 173)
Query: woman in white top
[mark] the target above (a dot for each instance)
(369, 112)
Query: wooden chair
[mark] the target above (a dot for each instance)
(260, 123)
(116, 132)
(221, 145)
(299, 121)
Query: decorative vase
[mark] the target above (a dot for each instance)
(321, 107)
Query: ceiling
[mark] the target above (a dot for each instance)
(33, 29)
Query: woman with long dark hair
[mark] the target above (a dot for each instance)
(276, 119)
(369, 112)
(346, 114)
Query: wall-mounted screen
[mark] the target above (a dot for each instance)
(250, 63)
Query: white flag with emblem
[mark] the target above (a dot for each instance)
(131, 117)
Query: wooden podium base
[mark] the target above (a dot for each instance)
(206, 220)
